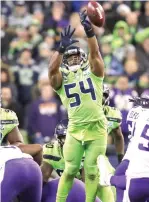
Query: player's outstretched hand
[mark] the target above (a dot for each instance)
(86, 24)
(66, 39)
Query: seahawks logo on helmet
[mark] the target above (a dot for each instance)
(60, 131)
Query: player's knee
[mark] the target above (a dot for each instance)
(91, 177)
(91, 172)
(71, 170)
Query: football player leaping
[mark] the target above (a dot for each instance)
(79, 83)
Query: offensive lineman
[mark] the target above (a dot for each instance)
(119, 179)
(79, 84)
(19, 175)
(137, 174)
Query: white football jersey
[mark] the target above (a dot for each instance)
(8, 153)
(139, 161)
(132, 117)
(11, 152)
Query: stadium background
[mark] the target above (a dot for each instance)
(30, 32)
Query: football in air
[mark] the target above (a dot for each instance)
(96, 13)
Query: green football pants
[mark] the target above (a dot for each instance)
(73, 151)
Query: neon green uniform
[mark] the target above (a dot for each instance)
(114, 117)
(52, 154)
(81, 94)
(9, 121)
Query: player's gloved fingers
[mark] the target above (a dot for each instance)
(62, 35)
(83, 15)
(65, 31)
(68, 30)
(72, 32)
(74, 41)
(87, 25)
(87, 22)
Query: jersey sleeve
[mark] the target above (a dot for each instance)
(47, 153)
(11, 121)
(114, 118)
(93, 76)
(117, 118)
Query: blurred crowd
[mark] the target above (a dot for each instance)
(30, 33)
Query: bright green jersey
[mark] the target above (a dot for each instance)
(9, 121)
(52, 154)
(114, 118)
(81, 94)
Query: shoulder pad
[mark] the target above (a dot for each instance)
(9, 117)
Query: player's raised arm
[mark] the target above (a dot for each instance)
(55, 75)
(95, 59)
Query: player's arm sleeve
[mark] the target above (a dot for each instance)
(47, 154)
(12, 117)
(13, 134)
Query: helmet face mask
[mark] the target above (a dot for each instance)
(145, 101)
(142, 101)
(74, 62)
(60, 131)
(61, 140)
(74, 58)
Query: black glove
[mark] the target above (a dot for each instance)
(66, 39)
(86, 24)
